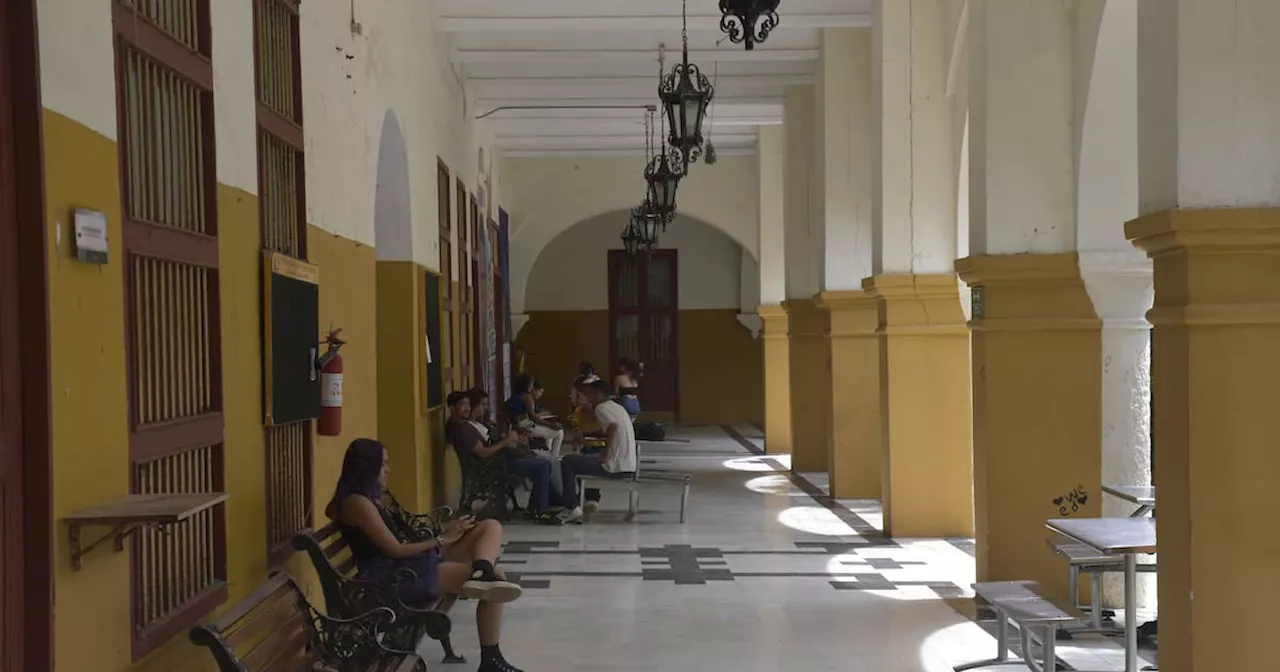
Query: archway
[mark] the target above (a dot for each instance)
(568, 304)
(392, 212)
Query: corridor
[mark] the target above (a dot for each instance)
(768, 574)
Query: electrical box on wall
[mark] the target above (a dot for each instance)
(290, 324)
(91, 236)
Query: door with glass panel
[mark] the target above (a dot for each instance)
(644, 324)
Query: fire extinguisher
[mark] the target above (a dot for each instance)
(330, 366)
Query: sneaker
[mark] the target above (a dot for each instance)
(574, 516)
(487, 587)
(547, 518)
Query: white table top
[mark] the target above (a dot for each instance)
(1142, 495)
(1113, 536)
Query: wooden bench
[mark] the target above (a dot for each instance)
(276, 629)
(345, 595)
(1023, 604)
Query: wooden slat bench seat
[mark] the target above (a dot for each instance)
(344, 594)
(275, 629)
(1023, 604)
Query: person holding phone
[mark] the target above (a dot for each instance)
(460, 561)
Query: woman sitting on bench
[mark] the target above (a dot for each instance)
(458, 562)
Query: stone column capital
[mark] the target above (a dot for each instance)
(1121, 285)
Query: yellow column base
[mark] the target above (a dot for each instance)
(853, 462)
(927, 458)
(1037, 409)
(777, 380)
(1216, 376)
(810, 384)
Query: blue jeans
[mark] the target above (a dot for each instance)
(587, 465)
(538, 471)
(631, 404)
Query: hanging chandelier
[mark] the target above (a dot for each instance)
(662, 173)
(686, 93)
(748, 21)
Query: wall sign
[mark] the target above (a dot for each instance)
(977, 302)
(91, 236)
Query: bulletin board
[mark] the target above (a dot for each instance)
(433, 320)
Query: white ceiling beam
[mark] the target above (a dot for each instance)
(500, 56)
(474, 24)
(560, 106)
(616, 141)
(592, 88)
(542, 153)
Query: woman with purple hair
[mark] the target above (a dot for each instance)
(458, 562)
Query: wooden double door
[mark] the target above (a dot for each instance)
(644, 325)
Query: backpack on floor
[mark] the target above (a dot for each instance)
(650, 431)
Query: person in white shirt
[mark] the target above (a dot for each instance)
(619, 457)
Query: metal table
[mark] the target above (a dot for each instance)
(1129, 537)
(1142, 495)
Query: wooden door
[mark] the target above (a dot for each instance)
(11, 465)
(644, 314)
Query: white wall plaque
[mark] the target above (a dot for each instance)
(91, 236)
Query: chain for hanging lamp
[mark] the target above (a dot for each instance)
(748, 21)
(685, 93)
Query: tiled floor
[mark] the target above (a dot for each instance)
(768, 574)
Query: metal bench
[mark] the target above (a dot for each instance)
(650, 478)
(1083, 558)
(275, 629)
(1036, 617)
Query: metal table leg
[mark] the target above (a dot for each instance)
(1130, 613)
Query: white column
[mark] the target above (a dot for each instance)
(798, 123)
(844, 115)
(1117, 276)
(1022, 169)
(914, 197)
(771, 161)
(1209, 111)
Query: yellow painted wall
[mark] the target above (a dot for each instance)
(89, 406)
(348, 299)
(91, 455)
(721, 369)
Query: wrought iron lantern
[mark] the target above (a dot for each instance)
(686, 93)
(631, 241)
(648, 224)
(748, 21)
(663, 175)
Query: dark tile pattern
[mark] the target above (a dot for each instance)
(742, 440)
(687, 565)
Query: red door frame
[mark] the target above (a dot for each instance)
(26, 596)
(645, 313)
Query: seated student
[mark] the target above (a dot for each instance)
(619, 458)
(458, 562)
(627, 385)
(522, 412)
(586, 374)
(519, 457)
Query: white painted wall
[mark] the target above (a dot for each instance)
(547, 195)
(802, 268)
(397, 62)
(572, 271)
(770, 160)
(845, 157)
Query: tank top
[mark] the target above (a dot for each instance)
(362, 548)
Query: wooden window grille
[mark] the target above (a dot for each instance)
(461, 299)
(283, 223)
(465, 312)
(164, 81)
(447, 352)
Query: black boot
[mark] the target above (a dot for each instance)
(491, 660)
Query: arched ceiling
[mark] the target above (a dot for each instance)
(604, 52)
